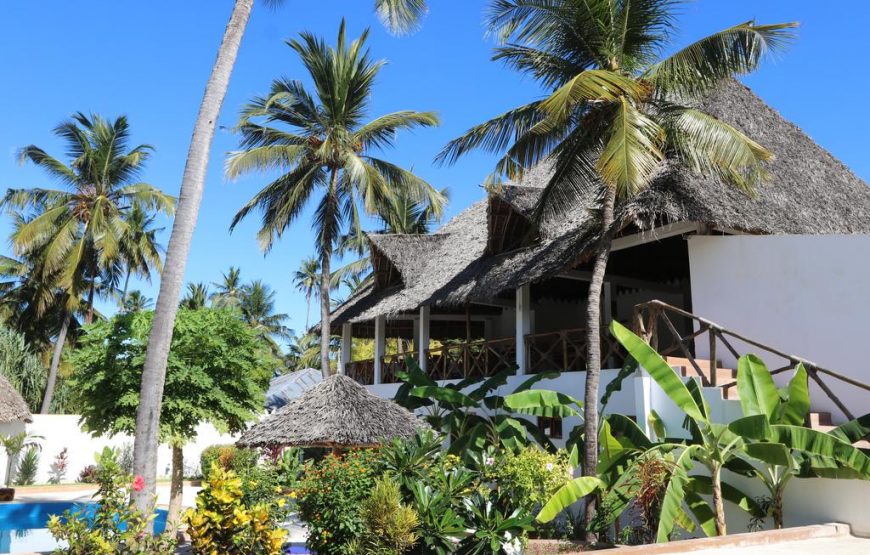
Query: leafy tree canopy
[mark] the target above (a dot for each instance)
(217, 372)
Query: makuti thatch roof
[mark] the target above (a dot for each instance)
(809, 192)
(338, 412)
(13, 408)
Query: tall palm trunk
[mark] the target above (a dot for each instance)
(307, 312)
(55, 363)
(593, 353)
(126, 285)
(89, 316)
(192, 184)
(176, 486)
(718, 505)
(325, 278)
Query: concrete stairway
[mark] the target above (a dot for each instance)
(820, 421)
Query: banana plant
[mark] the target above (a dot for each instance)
(474, 419)
(750, 440)
(808, 453)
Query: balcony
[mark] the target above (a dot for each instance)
(563, 351)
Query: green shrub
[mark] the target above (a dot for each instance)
(527, 479)
(88, 475)
(227, 457)
(390, 525)
(25, 475)
(221, 523)
(115, 527)
(329, 498)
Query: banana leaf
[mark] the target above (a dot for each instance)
(567, 495)
(797, 406)
(758, 394)
(543, 402)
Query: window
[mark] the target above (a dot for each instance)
(551, 426)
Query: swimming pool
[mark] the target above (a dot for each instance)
(23, 525)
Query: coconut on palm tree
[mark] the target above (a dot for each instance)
(399, 16)
(77, 231)
(229, 290)
(327, 150)
(615, 113)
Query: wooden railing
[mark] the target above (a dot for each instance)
(469, 360)
(565, 351)
(655, 322)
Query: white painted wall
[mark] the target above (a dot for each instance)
(805, 295)
(59, 431)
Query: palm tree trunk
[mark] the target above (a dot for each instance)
(325, 278)
(593, 353)
(176, 486)
(89, 316)
(718, 505)
(192, 185)
(55, 363)
(126, 285)
(307, 312)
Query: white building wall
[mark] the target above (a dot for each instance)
(59, 431)
(805, 295)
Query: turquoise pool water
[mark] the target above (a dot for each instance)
(23, 525)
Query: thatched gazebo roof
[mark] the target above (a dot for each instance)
(809, 192)
(13, 408)
(338, 412)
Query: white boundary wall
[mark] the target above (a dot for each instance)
(59, 431)
(805, 295)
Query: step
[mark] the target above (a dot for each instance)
(685, 368)
(819, 419)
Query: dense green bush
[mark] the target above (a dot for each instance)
(227, 457)
(329, 498)
(390, 525)
(529, 478)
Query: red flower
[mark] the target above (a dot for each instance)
(138, 483)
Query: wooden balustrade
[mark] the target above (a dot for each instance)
(565, 351)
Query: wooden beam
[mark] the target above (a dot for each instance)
(583, 275)
(655, 234)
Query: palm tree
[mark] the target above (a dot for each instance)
(258, 310)
(137, 302)
(77, 231)
(196, 297)
(615, 111)
(306, 280)
(140, 251)
(229, 290)
(325, 145)
(399, 16)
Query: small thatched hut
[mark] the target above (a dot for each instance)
(13, 408)
(336, 413)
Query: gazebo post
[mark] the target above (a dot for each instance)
(346, 345)
(380, 339)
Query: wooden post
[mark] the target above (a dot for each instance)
(423, 338)
(714, 366)
(380, 337)
(523, 325)
(346, 346)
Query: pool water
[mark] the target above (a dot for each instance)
(23, 525)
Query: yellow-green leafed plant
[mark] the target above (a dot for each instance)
(390, 525)
(221, 523)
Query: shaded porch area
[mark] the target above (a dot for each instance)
(538, 327)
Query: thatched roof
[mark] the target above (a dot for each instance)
(13, 408)
(809, 192)
(338, 412)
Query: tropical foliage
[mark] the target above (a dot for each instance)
(326, 148)
(615, 111)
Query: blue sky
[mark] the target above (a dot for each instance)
(150, 60)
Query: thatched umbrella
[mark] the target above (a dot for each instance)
(13, 408)
(336, 413)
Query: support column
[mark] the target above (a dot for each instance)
(346, 346)
(423, 338)
(380, 340)
(523, 325)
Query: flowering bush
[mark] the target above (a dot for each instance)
(329, 498)
(114, 527)
(228, 457)
(529, 478)
(221, 523)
